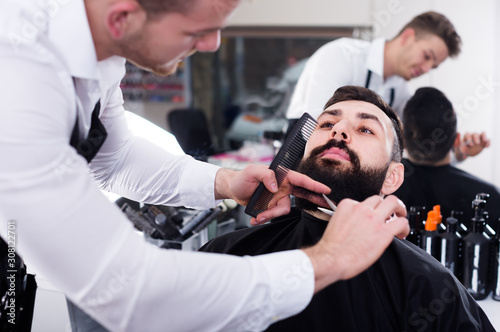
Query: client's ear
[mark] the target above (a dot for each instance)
(456, 142)
(393, 179)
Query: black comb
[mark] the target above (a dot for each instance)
(288, 158)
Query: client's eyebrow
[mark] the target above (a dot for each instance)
(363, 115)
(333, 112)
(360, 115)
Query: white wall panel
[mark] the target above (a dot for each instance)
(302, 13)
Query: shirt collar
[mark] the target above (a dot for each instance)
(70, 31)
(375, 61)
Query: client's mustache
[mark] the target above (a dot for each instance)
(342, 145)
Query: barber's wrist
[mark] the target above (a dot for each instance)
(459, 155)
(327, 268)
(222, 179)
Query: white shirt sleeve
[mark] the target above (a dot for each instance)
(83, 244)
(328, 68)
(135, 168)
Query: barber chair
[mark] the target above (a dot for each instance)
(190, 128)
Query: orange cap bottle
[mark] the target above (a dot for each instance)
(431, 222)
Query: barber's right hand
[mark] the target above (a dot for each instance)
(357, 235)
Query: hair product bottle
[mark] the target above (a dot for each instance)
(496, 264)
(441, 228)
(476, 255)
(451, 248)
(431, 241)
(487, 228)
(416, 226)
(459, 215)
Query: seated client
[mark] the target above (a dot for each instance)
(356, 150)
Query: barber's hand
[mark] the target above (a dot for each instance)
(240, 186)
(296, 184)
(471, 145)
(356, 236)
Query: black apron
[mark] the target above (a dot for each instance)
(367, 84)
(89, 146)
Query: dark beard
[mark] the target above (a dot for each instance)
(355, 183)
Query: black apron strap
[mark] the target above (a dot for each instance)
(367, 84)
(368, 78)
(89, 147)
(392, 97)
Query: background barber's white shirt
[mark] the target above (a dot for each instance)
(342, 62)
(69, 231)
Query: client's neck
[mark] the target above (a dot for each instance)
(445, 161)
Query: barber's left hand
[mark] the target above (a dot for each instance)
(242, 184)
(471, 145)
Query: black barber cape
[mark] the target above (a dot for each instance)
(405, 290)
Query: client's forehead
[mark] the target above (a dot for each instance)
(357, 110)
(353, 107)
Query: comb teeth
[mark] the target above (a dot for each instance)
(287, 159)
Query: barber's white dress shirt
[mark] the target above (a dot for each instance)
(69, 231)
(342, 62)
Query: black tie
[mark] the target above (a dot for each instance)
(89, 146)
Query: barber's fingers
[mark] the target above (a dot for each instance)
(390, 212)
(303, 181)
(398, 227)
(386, 206)
(391, 204)
(263, 174)
(279, 208)
(485, 139)
(294, 184)
(476, 139)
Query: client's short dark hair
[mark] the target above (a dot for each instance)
(351, 92)
(430, 125)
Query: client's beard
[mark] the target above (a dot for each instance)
(355, 183)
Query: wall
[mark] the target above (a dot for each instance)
(302, 13)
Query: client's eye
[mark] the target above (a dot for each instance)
(326, 124)
(365, 130)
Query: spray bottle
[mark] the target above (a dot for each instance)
(476, 255)
(487, 228)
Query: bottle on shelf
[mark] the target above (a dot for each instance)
(487, 228)
(476, 255)
(496, 264)
(431, 241)
(441, 228)
(459, 215)
(451, 248)
(416, 226)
